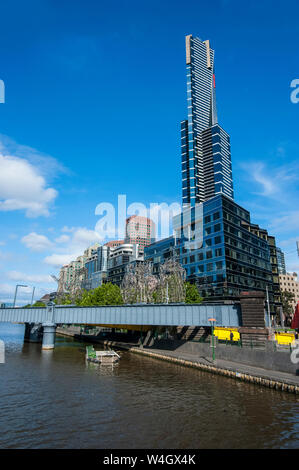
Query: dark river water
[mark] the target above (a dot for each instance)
(54, 399)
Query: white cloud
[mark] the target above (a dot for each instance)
(84, 237)
(268, 184)
(273, 182)
(58, 260)
(36, 242)
(80, 239)
(22, 277)
(22, 187)
(48, 166)
(7, 289)
(292, 267)
(68, 229)
(62, 239)
(286, 222)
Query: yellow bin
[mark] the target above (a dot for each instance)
(225, 333)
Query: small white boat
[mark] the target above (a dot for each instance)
(101, 357)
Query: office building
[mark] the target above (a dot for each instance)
(159, 252)
(289, 283)
(96, 268)
(140, 231)
(119, 258)
(72, 276)
(114, 243)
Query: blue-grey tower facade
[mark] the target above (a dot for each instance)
(205, 146)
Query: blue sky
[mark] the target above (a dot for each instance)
(95, 93)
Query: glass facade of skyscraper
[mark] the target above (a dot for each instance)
(217, 250)
(281, 261)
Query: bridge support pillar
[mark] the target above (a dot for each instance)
(49, 335)
(33, 333)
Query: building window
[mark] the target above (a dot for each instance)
(218, 252)
(209, 242)
(219, 265)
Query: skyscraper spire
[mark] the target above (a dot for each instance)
(206, 160)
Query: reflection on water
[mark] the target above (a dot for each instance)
(102, 369)
(56, 399)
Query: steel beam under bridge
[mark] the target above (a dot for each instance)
(145, 314)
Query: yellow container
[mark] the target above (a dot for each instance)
(284, 338)
(225, 333)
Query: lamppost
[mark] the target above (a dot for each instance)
(268, 305)
(167, 296)
(16, 291)
(212, 320)
(33, 289)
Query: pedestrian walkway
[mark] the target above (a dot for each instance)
(229, 365)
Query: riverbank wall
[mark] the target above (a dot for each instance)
(268, 357)
(245, 364)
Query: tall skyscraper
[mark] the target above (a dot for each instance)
(221, 250)
(205, 146)
(281, 261)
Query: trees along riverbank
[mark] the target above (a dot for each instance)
(110, 294)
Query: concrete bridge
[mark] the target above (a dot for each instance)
(141, 314)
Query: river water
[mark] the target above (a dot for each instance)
(54, 399)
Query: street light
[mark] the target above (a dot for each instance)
(16, 290)
(268, 305)
(33, 289)
(212, 320)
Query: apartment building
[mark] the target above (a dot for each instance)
(289, 282)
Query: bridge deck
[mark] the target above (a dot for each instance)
(158, 315)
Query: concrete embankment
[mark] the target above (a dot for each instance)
(196, 358)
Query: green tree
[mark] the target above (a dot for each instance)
(39, 304)
(36, 304)
(192, 294)
(106, 294)
(64, 299)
